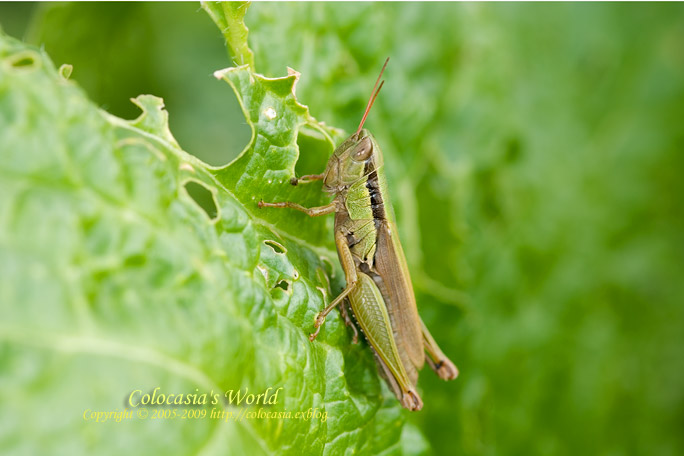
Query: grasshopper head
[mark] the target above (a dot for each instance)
(354, 159)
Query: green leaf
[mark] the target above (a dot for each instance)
(115, 279)
(229, 18)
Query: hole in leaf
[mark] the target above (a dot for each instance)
(284, 284)
(23, 62)
(26, 60)
(65, 70)
(215, 142)
(314, 152)
(277, 248)
(203, 197)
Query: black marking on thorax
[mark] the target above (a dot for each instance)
(377, 207)
(373, 186)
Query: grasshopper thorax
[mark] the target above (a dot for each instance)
(354, 159)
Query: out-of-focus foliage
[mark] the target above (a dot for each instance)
(534, 153)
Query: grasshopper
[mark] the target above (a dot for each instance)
(378, 289)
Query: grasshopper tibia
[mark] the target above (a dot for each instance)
(436, 358)
(350, 275)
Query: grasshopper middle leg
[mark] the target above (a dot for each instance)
(346, 258)
(349, 268)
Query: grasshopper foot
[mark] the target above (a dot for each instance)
(318, 322)
(306, 179)
(445, 369)
(313, 335)
(411, 400)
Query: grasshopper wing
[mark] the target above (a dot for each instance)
(395, 285)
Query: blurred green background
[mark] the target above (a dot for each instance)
(534, 153)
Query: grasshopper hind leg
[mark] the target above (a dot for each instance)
(436, 358)
(409, 399)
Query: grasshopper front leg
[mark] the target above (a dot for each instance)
(310, 211)
(307, 178)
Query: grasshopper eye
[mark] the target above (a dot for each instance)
(363, 150)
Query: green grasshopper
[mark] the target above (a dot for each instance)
(379, 289)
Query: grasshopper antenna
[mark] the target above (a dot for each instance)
(374, 95)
